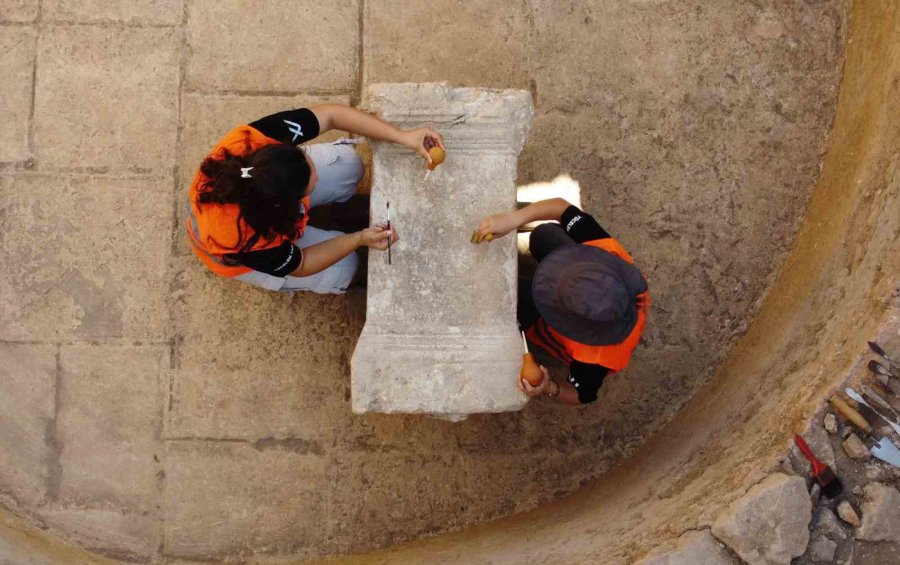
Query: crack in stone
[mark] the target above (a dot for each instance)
(54, 463)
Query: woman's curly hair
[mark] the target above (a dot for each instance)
(269, 201)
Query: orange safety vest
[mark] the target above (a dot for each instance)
(213, 228)
(614, 357)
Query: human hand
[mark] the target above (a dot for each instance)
(493, 227)
(377, 236)
(421, 140)
(539, 390)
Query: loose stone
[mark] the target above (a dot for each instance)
(830, 423)
(847, 513)
(769, 524)
(821, 550)
(881, 514)
(855, 448)
(819, 444)
(814, 493)
(827, 524)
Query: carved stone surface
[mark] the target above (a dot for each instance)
(441, 335)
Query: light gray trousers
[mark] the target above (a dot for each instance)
(340, 170)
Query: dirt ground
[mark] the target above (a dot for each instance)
(152, 410)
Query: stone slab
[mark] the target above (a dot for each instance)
(231, 499)
(84, 257)
(129, 537)
(377, 501)
(17, 53)
(167, 12)
(255, 364)
(692, 548)
(285, 46)
(206, 118)
(880, 514)
(434, 41)
(661, 50)
(18, 10)
(258, 399)
(109, 424)
(96, 111)
(27, 392)
(769, 524)
(441, 336)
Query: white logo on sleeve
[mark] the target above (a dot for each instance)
(572, 222)
(295, 129)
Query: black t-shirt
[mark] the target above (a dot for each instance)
(575, 226)
(290, 126)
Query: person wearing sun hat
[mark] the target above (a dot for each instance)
(586, 304)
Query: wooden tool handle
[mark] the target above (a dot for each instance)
(850, 413)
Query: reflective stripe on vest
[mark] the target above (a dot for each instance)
(202, 232)
(615, 356)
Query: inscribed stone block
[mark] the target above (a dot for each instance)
(27, 391)
(129, 11)
(282, 46)
(441, 335)
(107, 97)
(469, 43)
(18, 10)
(109, 423)
(225, 498)
(17, 48)
(207, 118)
(84, 257)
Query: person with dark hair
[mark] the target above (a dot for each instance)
(250, 200)
(586, 304)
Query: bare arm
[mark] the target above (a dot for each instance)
(496, 226)
(318, 257)
(338, 116)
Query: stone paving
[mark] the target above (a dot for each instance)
(151, 409)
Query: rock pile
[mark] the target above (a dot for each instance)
(784, 518)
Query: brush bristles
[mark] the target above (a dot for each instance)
(831, 485)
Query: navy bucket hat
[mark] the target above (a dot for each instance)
(588, 295)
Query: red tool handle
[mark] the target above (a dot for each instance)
(817, 466)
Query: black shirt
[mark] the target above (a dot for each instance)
(575, 226)
(295, 127)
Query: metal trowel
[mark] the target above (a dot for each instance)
(858, 397)
(885, 450)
